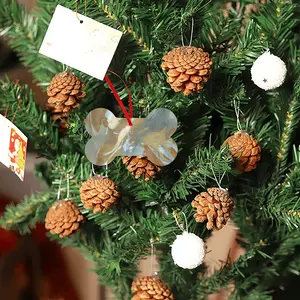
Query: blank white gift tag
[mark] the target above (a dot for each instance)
(87, 46)
(13, 147)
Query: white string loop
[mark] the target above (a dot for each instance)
(218, 182)
(106, 170)
(93, 170)
(59, 188)
(68, 186)
(192, 33)
(152, 256)
(180, 225)
(237, 113)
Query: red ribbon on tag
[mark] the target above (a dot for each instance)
(127, 115)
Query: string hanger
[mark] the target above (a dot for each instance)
(127, 115)
(176, 217)
(68, 186)
(192, 32)
(6, 111)
(153, 273)
(66, 69)
(59, 188)
(106, 170)
(94, 172)
(237, 111)
(218, 182)
(77, 6)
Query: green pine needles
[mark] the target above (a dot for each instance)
(267, 200)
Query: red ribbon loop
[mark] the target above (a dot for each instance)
(127, 115)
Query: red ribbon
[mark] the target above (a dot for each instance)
(127, 115)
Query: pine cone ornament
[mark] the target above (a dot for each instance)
(150, 288)
(140, 165)
(65, 93)
(245, 151)
(188, 69)
(99, 193)
(63, 218)
(215, 206)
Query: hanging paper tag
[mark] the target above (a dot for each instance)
(81, 43)
(150, 137)
(12, 147)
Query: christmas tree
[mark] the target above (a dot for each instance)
(236, 138)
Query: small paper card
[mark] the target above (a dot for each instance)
(12, 147)
(81, 43)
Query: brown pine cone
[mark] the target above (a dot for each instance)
(215, 206)
(245, 151)
(151, 289)
(99, 193)
(140, 165)
(65, 93)
(188, 69)
(63, 218)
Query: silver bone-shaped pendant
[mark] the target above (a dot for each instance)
(150, 137)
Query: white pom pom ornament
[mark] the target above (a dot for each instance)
(188, 250)
(268, 71)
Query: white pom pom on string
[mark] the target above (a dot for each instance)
(268, 71)
(188, 250)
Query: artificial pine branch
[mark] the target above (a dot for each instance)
(91, 249)
(285, 206)
(19, 103)
(23, 33)
(276, 21)
(23, 216)
(117, 7)
(227, 274)
(202, 167)
(291, 123)
(243, 51)
(244, 272)
(115, 241)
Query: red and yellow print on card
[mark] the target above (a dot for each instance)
(12, 147)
